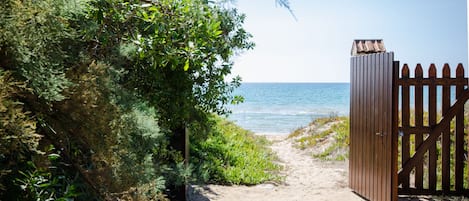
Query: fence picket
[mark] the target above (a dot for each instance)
(418, 124)
(405, 122)
(459, 150)
(433, 155)
(446, 141)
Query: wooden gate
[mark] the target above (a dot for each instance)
(371, 116)
(407, 135)
(433, 146)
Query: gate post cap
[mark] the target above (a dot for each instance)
(367, 46)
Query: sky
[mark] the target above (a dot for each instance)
(316, 46)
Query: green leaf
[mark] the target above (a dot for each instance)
(216, 25)
(153, 9)
(53, 157)
(186, 65)
(219, 32)
(145, 15)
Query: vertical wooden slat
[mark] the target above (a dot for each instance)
(354, 122)
(432, 122)
(373, 102)
(395, 136)
(351, 180)
(418, 123)
(379, 75)
(387, 107)
(353, 126)
(379, 126)
(357, 120)
(357, 125)
(368, 129)
(459, 163)
(362, 126)
(368, 159)
(361, 167)
(405, 122)
(378, 110)
(370, 132)
(446, 134)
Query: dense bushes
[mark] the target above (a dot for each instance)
(38, 43)
(17, 128)
(94, 92)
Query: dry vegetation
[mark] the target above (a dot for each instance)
(326, 138)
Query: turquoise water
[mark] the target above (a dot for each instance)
(280, 108)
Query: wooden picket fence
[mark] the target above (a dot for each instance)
(427, 131)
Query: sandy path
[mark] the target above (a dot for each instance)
(306, 179)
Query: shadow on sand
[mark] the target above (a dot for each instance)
(194, 193)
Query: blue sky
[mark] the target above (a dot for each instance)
(316, 47)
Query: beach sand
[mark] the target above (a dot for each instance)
(306, 178)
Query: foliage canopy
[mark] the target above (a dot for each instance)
(92, 93)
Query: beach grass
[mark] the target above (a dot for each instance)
(338, 150)
(328, 136)
(233, 155)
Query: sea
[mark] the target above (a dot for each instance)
(281, 108)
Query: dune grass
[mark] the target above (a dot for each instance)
(233, 155)
(334, 129)
(338, 150)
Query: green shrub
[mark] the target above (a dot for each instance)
(18, 136)
(38, 42)
(52, 180)
(232, 155)
(114, 136)
(28, 171)
(17, 127)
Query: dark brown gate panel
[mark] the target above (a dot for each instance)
(372, 164)
(433, 147)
